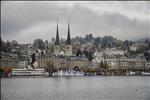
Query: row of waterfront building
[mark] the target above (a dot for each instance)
(113, 61)
(63, 57)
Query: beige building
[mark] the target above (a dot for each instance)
(64, 62)
(9, 60)
(42, 60)
(131, 63)
(147, 65)
(123, 62)
(112, 61)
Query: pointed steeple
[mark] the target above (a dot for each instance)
(68, 42)
(57, 35)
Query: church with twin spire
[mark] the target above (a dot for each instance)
(68, 47)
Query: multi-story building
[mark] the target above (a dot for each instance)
(147, 65)
(9, 60)
(23, 61)
(136, 63)
(64, 62)
(138, 46)
(42, 60)
(112, 61)
(114, 51)
(123, 63)
(98, 57)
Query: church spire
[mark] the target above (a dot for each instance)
(68, 42)
(57, 35)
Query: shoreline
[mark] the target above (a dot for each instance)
(76, 76)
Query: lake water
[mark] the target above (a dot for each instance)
(76, 88)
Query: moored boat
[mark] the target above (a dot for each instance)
(145, 73)
(25, 72)
(130, 73)
(68, 73)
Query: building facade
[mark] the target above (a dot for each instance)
(135, 63)
(112, 61)
(9, 60)
(67, 48)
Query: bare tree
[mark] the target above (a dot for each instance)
(50, 67)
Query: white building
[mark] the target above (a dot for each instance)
(114, 51)
(112, 61)
(98, 57)
(23, 64)
(147, 65)
(136, 46)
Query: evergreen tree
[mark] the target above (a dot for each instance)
(79, 53)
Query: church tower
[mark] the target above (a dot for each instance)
(57, 45)
(68, 46)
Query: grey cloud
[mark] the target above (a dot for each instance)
(16, 17)
(114, 23)
(19, 16)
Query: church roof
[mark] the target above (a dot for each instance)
(57, 35)
(68, 42)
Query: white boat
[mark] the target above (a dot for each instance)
(25, 72)
(130, 73)
(145, 73)
(68, 73)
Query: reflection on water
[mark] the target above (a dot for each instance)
(76, 88)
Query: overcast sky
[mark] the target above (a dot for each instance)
(25, 21)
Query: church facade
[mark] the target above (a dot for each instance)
(67, 50)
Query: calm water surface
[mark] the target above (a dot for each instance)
(76, 88)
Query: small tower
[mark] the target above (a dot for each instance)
(56, 45)
(68, 46)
